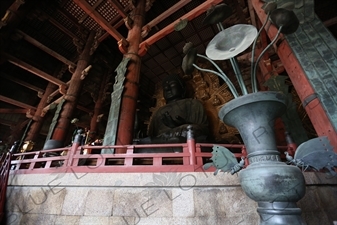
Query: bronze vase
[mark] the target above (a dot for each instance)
(274, 185)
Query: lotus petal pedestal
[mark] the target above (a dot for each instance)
(274, 185)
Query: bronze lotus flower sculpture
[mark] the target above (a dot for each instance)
(230, 42)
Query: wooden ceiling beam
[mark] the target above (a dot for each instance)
(252, 14)
(85, 6)
(117, 22)
(69, 17)
(170, 28)
(85, 16)
(7, 123)
(119, 8)
(33, 70)
(53, 94)
(62, 28)
(47, 108)
(104, 36)
(14, 111)
(45, 48)
(57, 101)
(56, 92)
(166, 14)
(330, 22)
(16, 103)
(23, 83)
(82, 108)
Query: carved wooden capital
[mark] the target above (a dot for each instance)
(40, 94)
(43, 113)
(30, 113)
(143, 48)
(128, 22)
(63, 89)
(145, 31)
(85, 72)
(96, 42)
(5, 18)
(71, 69)
(122, 45)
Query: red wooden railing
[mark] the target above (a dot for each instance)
(190, 159)
(4, 172)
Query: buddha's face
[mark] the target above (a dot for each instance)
(172, 90)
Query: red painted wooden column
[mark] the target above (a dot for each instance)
(302, 85)
(130, 94)
(71, 97)
(35, 128)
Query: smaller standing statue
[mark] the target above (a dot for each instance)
(26, 147)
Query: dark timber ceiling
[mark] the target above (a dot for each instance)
(34, 29)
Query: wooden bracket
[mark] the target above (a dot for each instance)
(122, 45)
(143, 48)
(63, 89)
(30, 113)
(145, 31)
(85, 72)
(128, 22)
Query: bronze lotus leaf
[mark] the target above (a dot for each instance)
(217, 14)
(188, 60)
(285, 18)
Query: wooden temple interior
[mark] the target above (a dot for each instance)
(58, 51)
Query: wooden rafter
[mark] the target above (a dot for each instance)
(33, 70)
(167, 13)
(118, 7)
(85, 16)
(118, 24)
(21, 82)
(14, 111)
(57, 101)
(45, 48)
(7, 123)
(116, 21)
(330, 22)
(16, 103)
(170, 28)
(84, 109)
(99, 19)
(62, 28)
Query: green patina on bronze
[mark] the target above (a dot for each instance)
(55, 119)
(116, 96)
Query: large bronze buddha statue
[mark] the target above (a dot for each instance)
(169, 123)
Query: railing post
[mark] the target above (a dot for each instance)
(129, 161)
(198, 157)
(290, 144)
(244, 154)
(191, 144)
(73, 149)
(5, 167)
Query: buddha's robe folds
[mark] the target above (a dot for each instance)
(189, 110)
